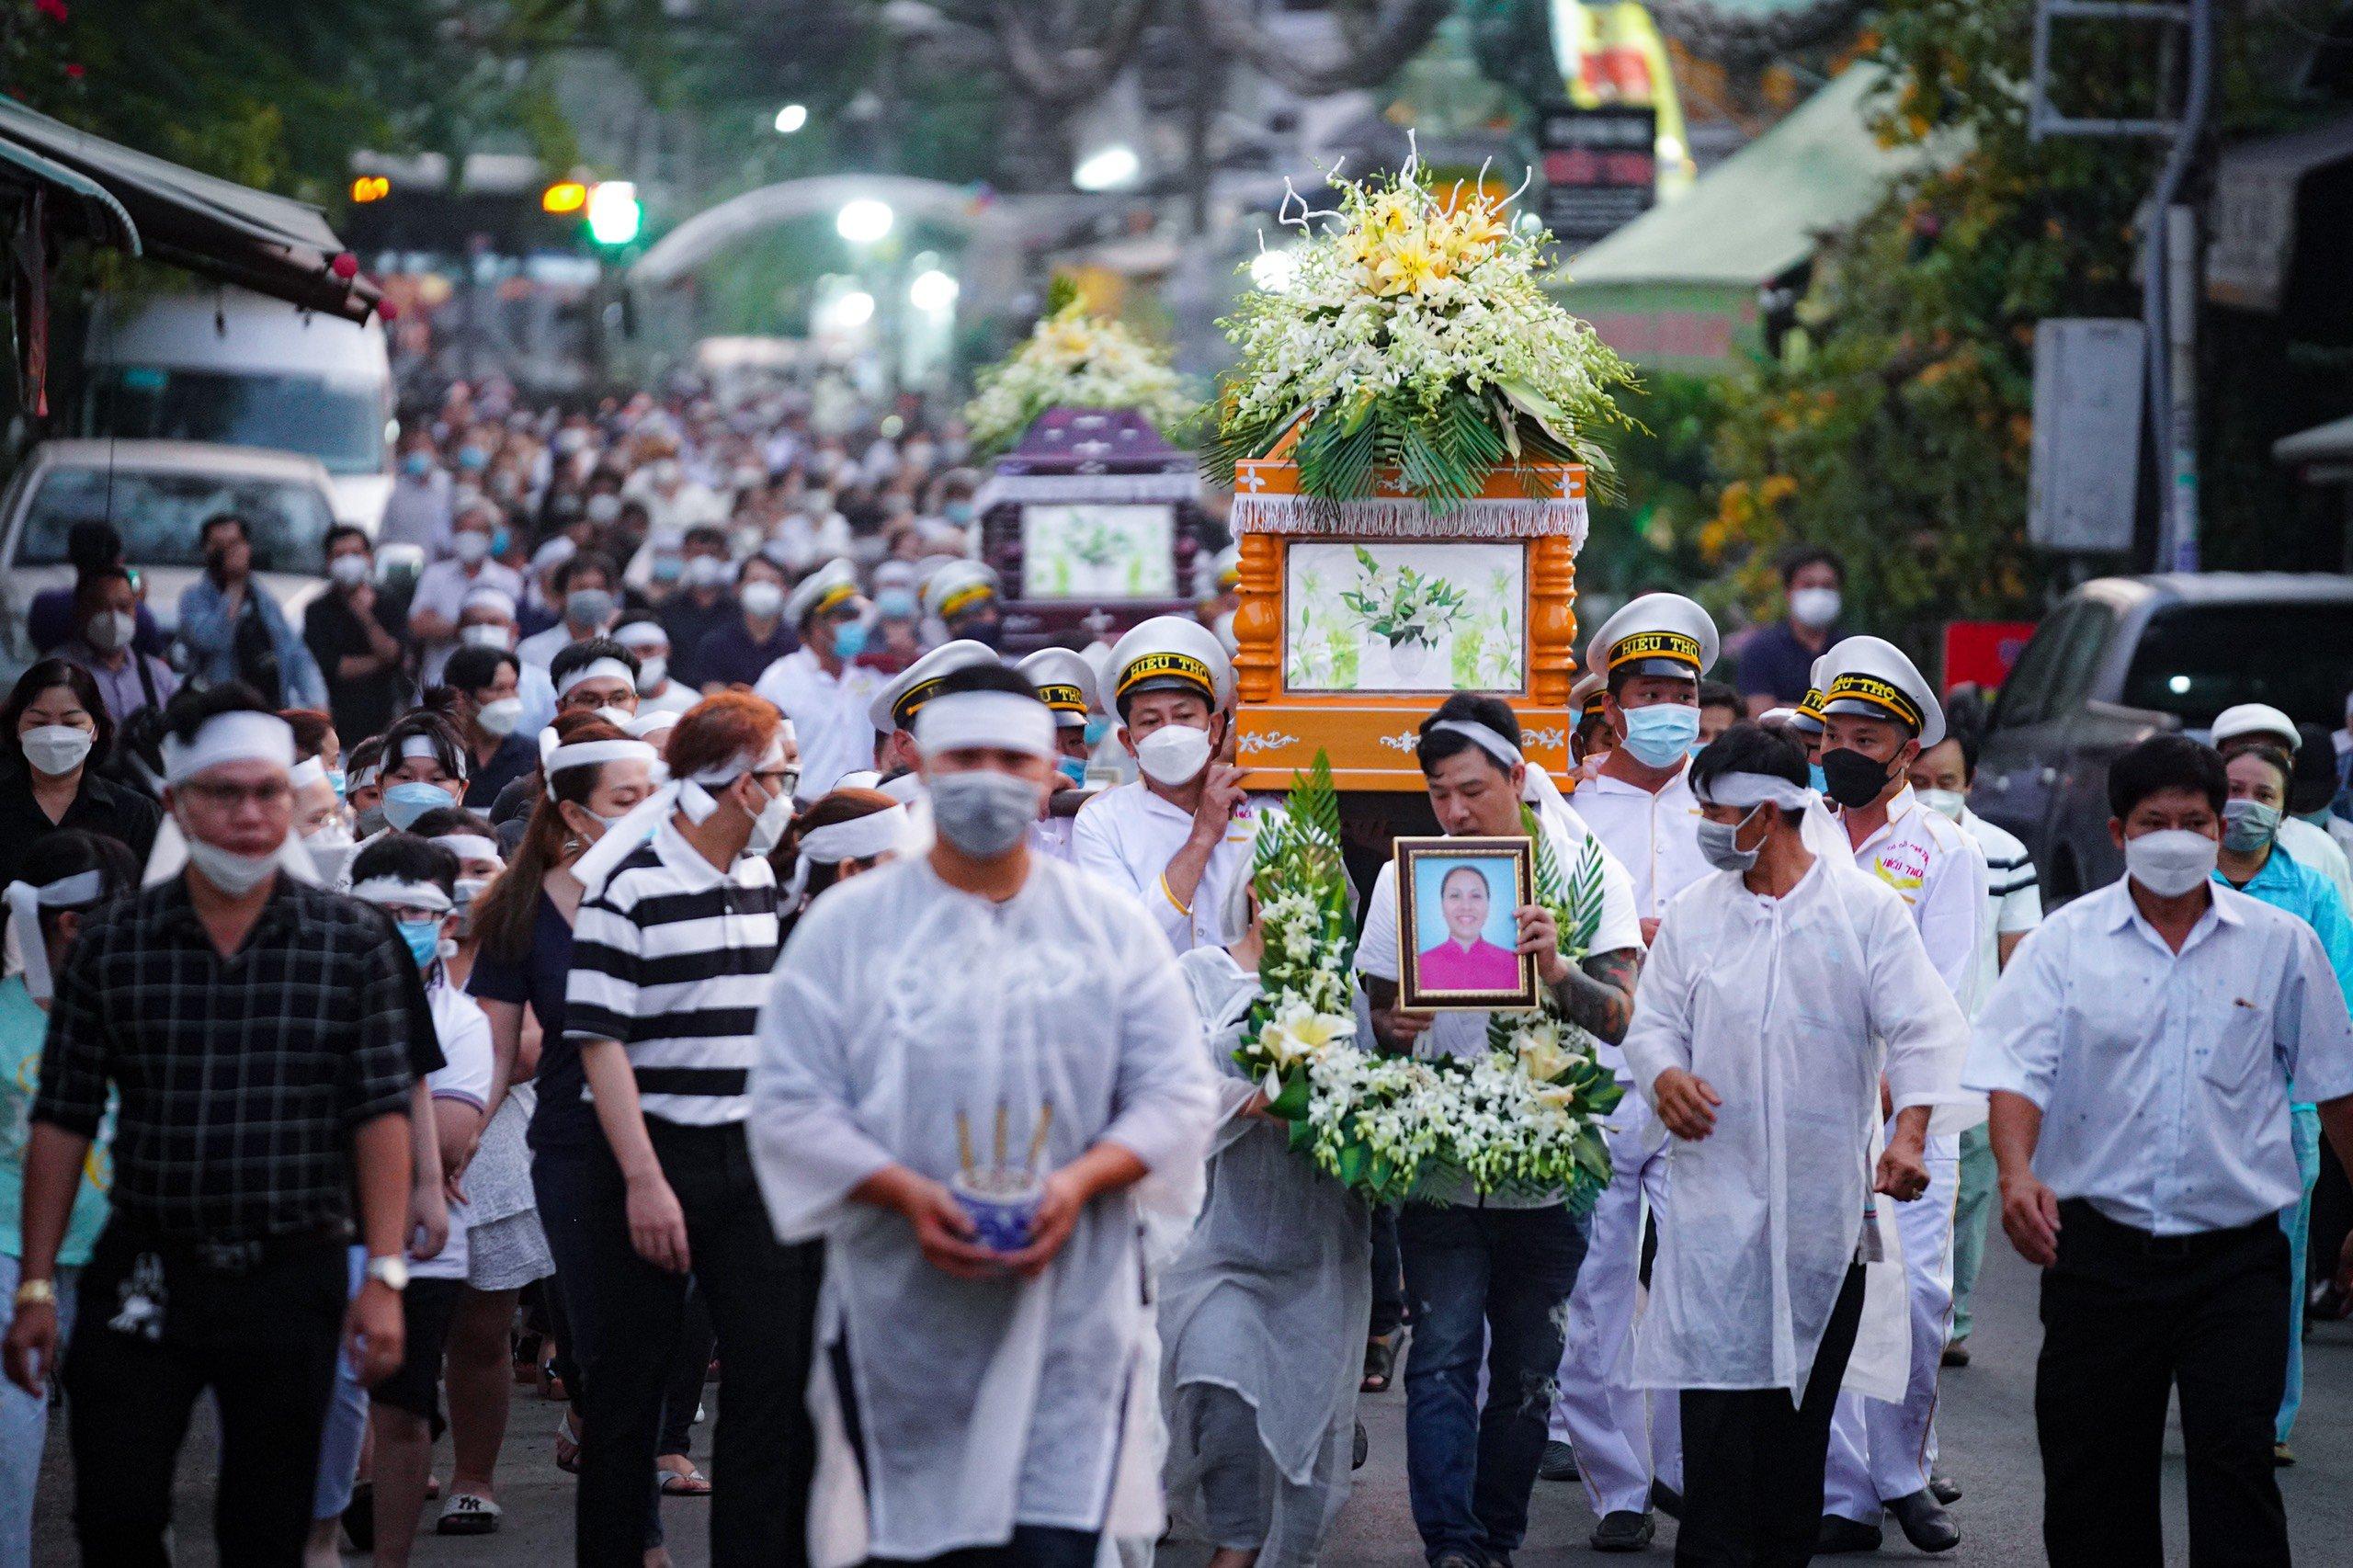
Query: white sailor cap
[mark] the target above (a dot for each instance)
(1587, 687)
(1065, 683)
(1657, 634)
(1171, 652)
(958, 588)
(1806, 717)
(894, 707)
(1871, 677)
(2256, 719)
(1225, 571)
(828, 588)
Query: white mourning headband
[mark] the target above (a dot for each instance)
(468, 845)
(637, 631)
(420, 745)
(243, 735)
(307, 772)
(391, 890)
(686, 796)
(592, 670)
(1003, 720)
(1746, 790)
(1488, 741)
(498, 599)
(860, 838)
(555, 758)
(25, 903)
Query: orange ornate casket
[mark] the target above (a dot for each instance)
(1358, 617)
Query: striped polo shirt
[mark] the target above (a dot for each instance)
(671, 959)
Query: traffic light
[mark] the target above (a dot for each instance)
(615, 215)
(563, 196)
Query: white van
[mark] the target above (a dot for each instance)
(241, 370)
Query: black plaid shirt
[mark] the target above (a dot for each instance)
(242, 1078)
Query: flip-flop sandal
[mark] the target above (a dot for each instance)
(1379, 1365)
(567, 1449)
(687, 1483)
(467, 1513)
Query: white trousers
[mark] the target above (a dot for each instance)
(1880, 1451)
(1593, 1409)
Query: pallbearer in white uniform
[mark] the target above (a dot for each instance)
(1064, 682)
(893, 709)
(1877, 714)
(823, 694)
(1179, 835)
(1650, 656)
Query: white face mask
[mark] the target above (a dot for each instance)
(762, 599)
(1814, 608)
(350, 571)
(2170, 862)
(233, 874)
(53, 749)
(111, 629)
(768, 828)
(982, 812)
(603, 508)
(500, 718)
(470, 545)
(1174, 754)
(652, 671)
(328, 835)
(485, 636)
(1944, 802)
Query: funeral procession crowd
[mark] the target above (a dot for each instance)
(663, 943)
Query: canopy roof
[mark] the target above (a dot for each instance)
(140, 203)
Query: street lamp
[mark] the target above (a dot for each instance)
(933, 291)
(848, 311)
(1108, 168)
(864, 220)
(791, 117)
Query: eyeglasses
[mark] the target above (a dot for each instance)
(228, 797)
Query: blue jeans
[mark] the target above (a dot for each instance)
(2303, 1130)
(24, 1423)
(347, 1428)
(1500, 1277)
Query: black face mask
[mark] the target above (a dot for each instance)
(1853, 779)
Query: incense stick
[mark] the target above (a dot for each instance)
(1000, 1134)
(1038, 1138)
(964, 1143)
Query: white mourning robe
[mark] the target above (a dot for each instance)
(1791, 1009)
(898, 1002)
(1270, 1299)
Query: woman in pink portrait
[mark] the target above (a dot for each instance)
(1466, 961)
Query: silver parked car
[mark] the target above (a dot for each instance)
(2124, 658)
(158, 495)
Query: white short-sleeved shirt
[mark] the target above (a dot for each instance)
(2013, 900)
(1465, 1033)
(2163, 1077)
(464, 1075)
(1127, 835)
(1655, 835)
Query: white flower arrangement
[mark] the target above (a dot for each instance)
(1414, 334)
(1072, 360)
(1524, 1115)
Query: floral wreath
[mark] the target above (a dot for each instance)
(1072, 360)
(1524, 1117)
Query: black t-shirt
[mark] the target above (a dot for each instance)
(100, 806)
(332, 631)
(563, 1117)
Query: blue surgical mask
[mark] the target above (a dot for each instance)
(416, 465)
(472, 457)
(849, 639)
(1815, 779)
(1072, 768)
(501, 542)
(424, 939)
(405, 803)
(1660, 734)
(338, 778)
(1098, 727)
(956, 512)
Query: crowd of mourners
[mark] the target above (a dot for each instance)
(631, 932)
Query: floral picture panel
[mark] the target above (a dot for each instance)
(1094, 549)
(1380, 616)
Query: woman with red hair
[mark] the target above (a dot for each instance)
(677, 933)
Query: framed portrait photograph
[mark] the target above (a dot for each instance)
(1457, 928)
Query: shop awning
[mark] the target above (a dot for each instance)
(1680, 282)
(270, 245)
(2329, 444)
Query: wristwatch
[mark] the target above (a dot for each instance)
(36, 1293)
(391, 1271)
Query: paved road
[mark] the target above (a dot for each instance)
(1986, 1427)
